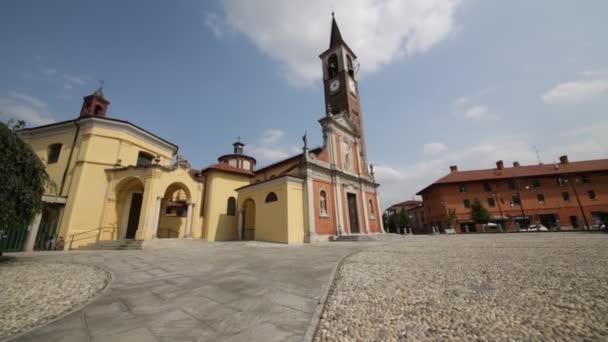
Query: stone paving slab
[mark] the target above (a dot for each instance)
(234, 291)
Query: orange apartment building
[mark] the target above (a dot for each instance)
(561, 196)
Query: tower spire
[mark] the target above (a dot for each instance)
(336, 37)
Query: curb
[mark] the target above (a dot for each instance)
(316, 316)
(101, 293)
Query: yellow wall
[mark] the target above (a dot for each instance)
(99, 193)
(88, 184)
(40, 142)
(218, 226)
(280, 221)
(295, 212)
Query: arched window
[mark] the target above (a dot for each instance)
(332, 66)
(271, 197)
(231, 208)
(323, 203)
(349, 65)
(98, 110)
(53, 152)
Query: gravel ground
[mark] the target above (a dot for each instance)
(531, 286)
(34, 292)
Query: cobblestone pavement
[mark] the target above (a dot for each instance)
(33, 292)
(197, 291)
(493, 287)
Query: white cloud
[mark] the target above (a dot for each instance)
(399, 183)
(22, 106)
(586, 142)
(49, 71)
(216, 24)
(73, 79)
(431, 149)
(271, 136)
(28, 99)
(379, 31)
(575, 91)
(270, 148)
(461, 101)
(478, 113)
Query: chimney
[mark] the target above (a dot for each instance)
(453, 168)
(516, 164)
(500, 165)
(564, 159)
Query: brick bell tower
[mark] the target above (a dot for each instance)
(341, 87)
(339, 78)
(95, 104)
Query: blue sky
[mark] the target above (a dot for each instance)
(442, 82)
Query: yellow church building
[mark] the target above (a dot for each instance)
(113, 180)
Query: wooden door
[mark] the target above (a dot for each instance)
(134, 215)
(353, 215)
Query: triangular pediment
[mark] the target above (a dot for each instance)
(345, 123)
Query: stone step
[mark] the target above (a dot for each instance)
(370, 237)
(123, 244)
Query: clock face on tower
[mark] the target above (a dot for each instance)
(334, 85)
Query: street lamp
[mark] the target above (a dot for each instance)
(521, 201)
(578, 200)
(497, 197)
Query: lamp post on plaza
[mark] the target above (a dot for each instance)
(578, 200)
(497, 197)
(521, 202)
(447, 213)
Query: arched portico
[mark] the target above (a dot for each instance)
(175, 212)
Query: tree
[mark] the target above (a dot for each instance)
(386, 219)
(22, 180)
(452, 217)
(479, 214)
(15, 125)
(404, 219)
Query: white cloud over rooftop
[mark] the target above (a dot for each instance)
(379, 31)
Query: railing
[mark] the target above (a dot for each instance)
(169, 234)
(92, 234)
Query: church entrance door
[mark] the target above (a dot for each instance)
(353, 215)
(134, 213)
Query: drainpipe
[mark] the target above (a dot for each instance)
(65, 172)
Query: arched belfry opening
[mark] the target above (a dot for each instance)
(332, 66)
(95, 104)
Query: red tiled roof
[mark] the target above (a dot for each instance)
(523, 171)
(409, 203)
(227, 168)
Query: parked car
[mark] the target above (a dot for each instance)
(537, 228)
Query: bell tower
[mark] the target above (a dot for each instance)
(95, 104)
(339, 77)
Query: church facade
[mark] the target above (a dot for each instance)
(113, 180)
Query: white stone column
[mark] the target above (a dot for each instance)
(188, 232)
(379, 211)
(310, 208)
(32, 232)
(338, 200)
(156, 218)
(365, 213)
(240, 224)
